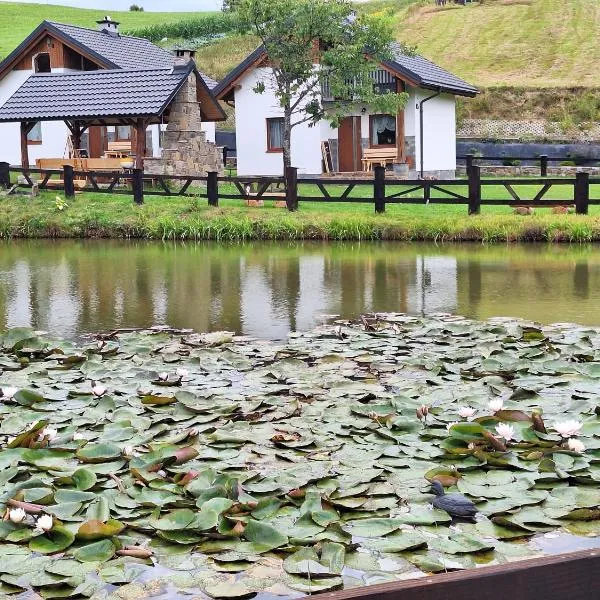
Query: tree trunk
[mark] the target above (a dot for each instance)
(287, 135)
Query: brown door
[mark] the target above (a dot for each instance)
(97, 141)
(349, 149)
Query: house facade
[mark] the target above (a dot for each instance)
(423, 135)
(55, 48)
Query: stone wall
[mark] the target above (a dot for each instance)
(185, 150)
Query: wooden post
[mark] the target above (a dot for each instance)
(582, 193)
(4, 174)
(470, 161)
(212, 188)
(137, 184)
(25, 129)
(544, 165)
(291, 188)
(69, 181)
(140, 143)
(474, 174)
(379, 189)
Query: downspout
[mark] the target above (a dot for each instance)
(421, 152)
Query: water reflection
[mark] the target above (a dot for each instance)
(266, 290)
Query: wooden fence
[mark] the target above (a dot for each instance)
(543, 160)
(381, 190)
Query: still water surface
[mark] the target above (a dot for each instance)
(71, 288)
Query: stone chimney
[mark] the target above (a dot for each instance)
(185, 149)
(108, 26)
(183, 57)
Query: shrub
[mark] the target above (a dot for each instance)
(511, 162)
(200, 27)
(136, 8)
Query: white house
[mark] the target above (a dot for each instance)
(423, 134)
(58, 48)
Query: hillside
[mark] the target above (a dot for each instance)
(517, 43)
(19, 20)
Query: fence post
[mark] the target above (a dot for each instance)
(582, 193)
(470, 159)
(544, 165)
(291, 188)
(212, 188)
(69, 181)
(4, 174)
(474, 190)
(137, 184)
(379, 189)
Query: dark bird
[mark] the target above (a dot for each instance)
(456, 505)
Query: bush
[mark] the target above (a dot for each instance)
(568, 163)
(136, 8)
(511, 162)
(200, 27)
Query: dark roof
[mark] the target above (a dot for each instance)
(415, 68)
(122, 51)
(211, 84)
(427, 74)
(84, 94)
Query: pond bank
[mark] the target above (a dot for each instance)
(115, 216)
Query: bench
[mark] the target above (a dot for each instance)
(53, 164)
(378, 156)
(118, 150)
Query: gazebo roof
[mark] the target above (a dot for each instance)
(104, 97)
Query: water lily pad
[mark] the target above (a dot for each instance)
(100, 551)
(55, 540)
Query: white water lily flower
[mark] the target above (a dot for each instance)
(43, 524)
(575, 446)
(78, 436)
(181, 373)
(128, 450)
(496, 405)
(17, 515)
(466, 412)
(50, 433)
(98, 390)
(505, 431)
(194, 432)
(9, 392)
(449, 425)
(567, 429)
(163, 376)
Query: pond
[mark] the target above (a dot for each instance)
(70, 288)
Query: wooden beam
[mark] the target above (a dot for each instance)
(26, 127)
(575, 576)
(400, 131)
(140, 143)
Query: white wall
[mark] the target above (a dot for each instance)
(439, 132)
(251, 112)
(54, 133)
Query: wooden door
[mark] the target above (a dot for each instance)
(349, 147)
(97, 141)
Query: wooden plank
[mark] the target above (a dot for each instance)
(453, 194)
(347, 192)
(574, 576)
(324, 191)
(404, 192)
(512, 192)
(542, 192)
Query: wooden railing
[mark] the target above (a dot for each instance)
(378, 189)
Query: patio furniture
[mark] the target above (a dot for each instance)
(378, 156)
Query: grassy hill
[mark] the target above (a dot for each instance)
(19, 20)
(517, 43)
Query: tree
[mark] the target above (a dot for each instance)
(230, 5)
(136, 8)
(316, 43)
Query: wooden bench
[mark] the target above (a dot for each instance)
(53, 164)
(118, 150)
(378, 156)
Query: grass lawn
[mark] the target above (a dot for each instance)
(115, 216)
(19, 20)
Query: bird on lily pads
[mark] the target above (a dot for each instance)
(456, 505)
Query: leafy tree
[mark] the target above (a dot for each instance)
(136, 8)
(316, 43)
(230, 5)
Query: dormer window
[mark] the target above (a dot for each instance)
(41, 63)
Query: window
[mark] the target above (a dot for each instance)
(123, 133)
(35, 135)
(383, 130)
(41, 63)
(275, 135)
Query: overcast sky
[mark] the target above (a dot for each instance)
(150, 5)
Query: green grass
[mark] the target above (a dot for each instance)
(174, 218)
(531, 43)
(19, 20)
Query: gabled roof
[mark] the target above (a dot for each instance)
(417, 70)
(91, 94)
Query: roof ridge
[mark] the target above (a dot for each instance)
(102, 71)
(129, 37)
